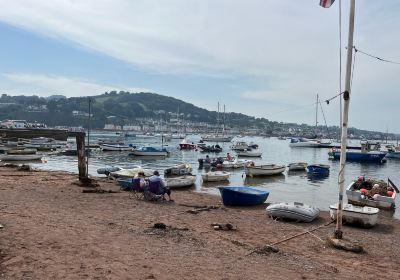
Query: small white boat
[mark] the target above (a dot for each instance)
(294, 211)
(236, 163)
(22, 152)
(116, 147)
(365, 216)
(132, 172)
(20, 157)
(240, 146)
(249, 153)
(302, 142)
(180, 182)
(297, 166)
(264, 170)
(215, 176)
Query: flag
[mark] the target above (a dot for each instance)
(326, 3)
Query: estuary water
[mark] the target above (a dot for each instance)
(296, 186)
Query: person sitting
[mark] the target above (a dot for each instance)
(139, 182)
(207, 160)
(157, 186)
(228, 157)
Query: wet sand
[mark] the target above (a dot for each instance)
(54, 231)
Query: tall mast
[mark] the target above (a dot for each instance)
(346, 102)
(316, 117)
(223, 127)
(218, 119)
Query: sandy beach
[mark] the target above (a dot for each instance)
(52, 230)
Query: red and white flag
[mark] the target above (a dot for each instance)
(326, 3)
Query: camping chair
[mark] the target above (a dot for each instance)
(136, 191)
(152, 192)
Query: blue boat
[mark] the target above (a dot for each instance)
(125, 184)
(150, 151)
(318, 169)
(242, 196)
(372, 156)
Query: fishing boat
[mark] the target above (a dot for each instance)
(150, 151)
(184, 145)
(20, 157)
(368, 153)
(293, 211)
(372, 193)
(264, 170)
(242, 196)
(180, 182)
(116, 147)
(318, 169)
(249, 153)
(239, 146)
(180, 169)
(352, 214)
(297, 166)
(215, 176)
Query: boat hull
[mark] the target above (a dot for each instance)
(180, 182)
(242, 196)
(115, 148)
(293, 211)
(216, 176)
(297, 166)
(20, 157)
(264, 170)
(365, 216)
(318, 169)
(360, 156)
(248, 154)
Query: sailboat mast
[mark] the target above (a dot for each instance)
(316, 117)
(223, 124)
(346, 102)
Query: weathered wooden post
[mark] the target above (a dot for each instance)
(80, 147)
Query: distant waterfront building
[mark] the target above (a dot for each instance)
(17, 124)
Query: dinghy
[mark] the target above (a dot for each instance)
(297, 166)
(215, 176)
(293, 211)
(116, 147)
(236, 163)
(318, 169)
(180, 182)
(150, 151)
(131, 173)
(352, 214)
(242, 196)
(20, 157)
(108, 170)
(264, 170)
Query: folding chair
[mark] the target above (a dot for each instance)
(136, 191)
(152, 192)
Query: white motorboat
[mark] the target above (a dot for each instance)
(116, 147)
(294, 211)
(355, 197)
(180, 182)
(217, 138)
(215, 176)
(236, 163)
(249, 153)
(20, 157)
(303, 142)
(264, 170)
(352, 214)
(297, 166)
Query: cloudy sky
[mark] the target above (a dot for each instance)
(266, 58)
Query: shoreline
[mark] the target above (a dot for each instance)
(54, 231)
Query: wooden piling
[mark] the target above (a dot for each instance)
(80, 146)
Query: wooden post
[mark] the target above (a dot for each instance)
(80, 147)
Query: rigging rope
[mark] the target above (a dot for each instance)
(376, 57)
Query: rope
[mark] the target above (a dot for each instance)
(376, 57)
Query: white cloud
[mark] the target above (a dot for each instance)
(25, 83)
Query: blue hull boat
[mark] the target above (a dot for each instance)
(125, 184)
(242, 196)
(360, 156)
(318, 169)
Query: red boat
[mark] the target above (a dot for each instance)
(187, 146)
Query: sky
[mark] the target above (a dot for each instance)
(264, 58)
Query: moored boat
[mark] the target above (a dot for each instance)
(184, 145)
(210, 149)
(242, 196)
(249, 153)
(150, 151)
(352, 214)
(264, 170)
(180, 182)
(236, 163)
(180, 169)
(303, 142)
(22, 152)
(215, 176)
(318, 169)
(20, 157)
(297, 166)
(116, 147)
(240, 146)
(294, 211)
(132, 172)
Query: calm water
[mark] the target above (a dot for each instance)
(287, 187)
